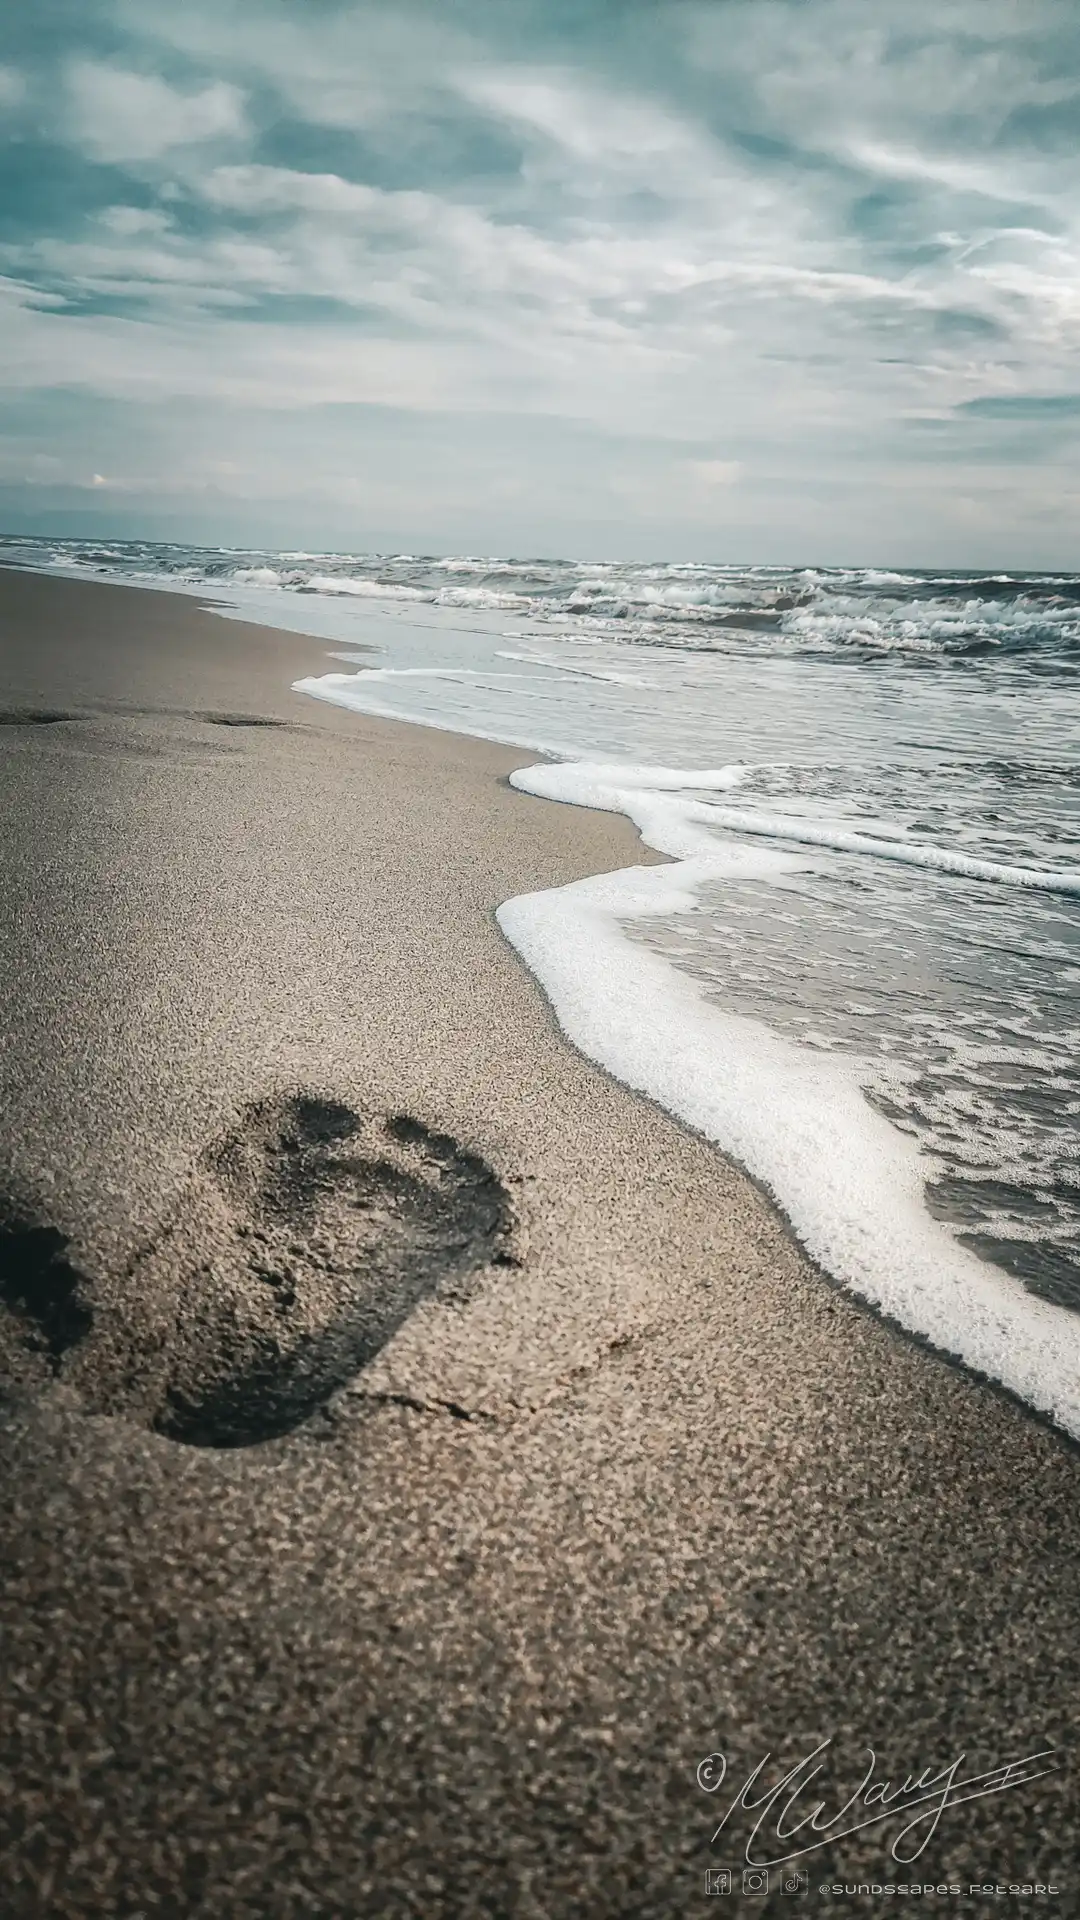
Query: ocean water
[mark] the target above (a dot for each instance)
(862, 976)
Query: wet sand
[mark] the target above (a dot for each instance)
(598, 1476)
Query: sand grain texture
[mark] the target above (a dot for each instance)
(607, 1479)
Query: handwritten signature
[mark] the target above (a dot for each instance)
(919, 1802)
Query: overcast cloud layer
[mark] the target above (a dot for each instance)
(789, 280)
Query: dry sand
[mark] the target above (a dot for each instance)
(609, 1476)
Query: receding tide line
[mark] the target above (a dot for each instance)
(625, 789)
(798, 1121)
(850, 1183)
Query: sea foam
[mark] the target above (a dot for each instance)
(849, 1182)
(610, 787)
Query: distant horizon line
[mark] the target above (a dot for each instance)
(536, 559)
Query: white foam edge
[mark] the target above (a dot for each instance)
(611, 785)
(584, 784)
(353, 690)
(850, 1184)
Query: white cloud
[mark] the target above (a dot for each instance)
(120, 116)
(593, 124)
(260, 189)
(1008, 182)
(726, 250)
(357, 67)
(716, 473)
(815, 233)
(12, 87)
(130, 221)
(836, 69)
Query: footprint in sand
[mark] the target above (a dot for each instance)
(302, 1242)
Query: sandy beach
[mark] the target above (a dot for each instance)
(434, 1603)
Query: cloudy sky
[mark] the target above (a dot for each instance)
(792, 280)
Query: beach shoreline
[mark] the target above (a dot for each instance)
(632, 1496)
